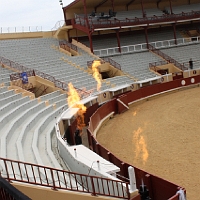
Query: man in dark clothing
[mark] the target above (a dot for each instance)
(78, 139)
(191, 63)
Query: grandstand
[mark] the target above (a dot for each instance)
(143, 49)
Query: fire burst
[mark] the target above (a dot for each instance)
(96, 73)
(73, 100)
(140, 145)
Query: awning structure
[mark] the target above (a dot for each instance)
(89, 16)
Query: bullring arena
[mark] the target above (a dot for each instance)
(159, 135)
(103, 106)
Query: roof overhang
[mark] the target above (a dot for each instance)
(94, 3)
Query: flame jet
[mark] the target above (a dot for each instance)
(96, 73)
(73, 100)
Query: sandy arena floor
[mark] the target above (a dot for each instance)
(162, 137)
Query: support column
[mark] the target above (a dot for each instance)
(76, 35)
(64, 16)
(68, 35)
(118, 40)
(146, 36)
(174, 30)
(143, 12)
(90, 40)
(85, 12)
(170, 3)
(112, 2)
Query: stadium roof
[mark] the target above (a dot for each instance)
(94, 3)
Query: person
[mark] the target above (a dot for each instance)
(78, 139)
(191, 63)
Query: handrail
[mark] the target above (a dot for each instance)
(109, 60)
(21, 68)
(18, 75)
(89, 63)
(143, 46)
(113, 63)
(155, 64)
(69, 45)
(58, 25)
(166, 57)
(20, 29)
(98, 23)
(186, 64)
(61, 179)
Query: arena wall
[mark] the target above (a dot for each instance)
(159, 188)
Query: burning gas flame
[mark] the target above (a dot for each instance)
(140, 145)
(73, 100)
(96, 73)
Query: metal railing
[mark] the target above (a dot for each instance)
(61, 179)
(13, 65)
(58, 25)
(195, 63)
(113, 63)
(89, 63)
(167, 58)
(22, 29)
(21, 68)
(143, 46)
(109, 60)
(17, 76)
(68, 44)
(114, 22)
(155, 64)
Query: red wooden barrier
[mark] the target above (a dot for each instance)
(159, 188)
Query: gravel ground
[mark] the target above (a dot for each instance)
(160, 136)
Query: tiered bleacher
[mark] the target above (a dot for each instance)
(130, 38)
(184, 53)
(137, 64)
(185, 8)
(4, 76)
(38, 54)
(27, 129)
(26, 126)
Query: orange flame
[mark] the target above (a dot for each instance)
(73, 100)
(140, 145)
(96, 73)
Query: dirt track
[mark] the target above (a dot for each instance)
(162, 137)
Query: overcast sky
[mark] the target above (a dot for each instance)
(25, 13)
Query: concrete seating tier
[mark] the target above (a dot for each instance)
(131, 39)
(27, 128)
(184, 8)
(137, 64)
(38, 54)
(184, 53)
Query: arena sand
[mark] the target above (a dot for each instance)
(160, 136)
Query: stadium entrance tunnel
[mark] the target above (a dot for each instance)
(36, 86)
(165, 69)
(107, 70)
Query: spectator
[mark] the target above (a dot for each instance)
(191, 63)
